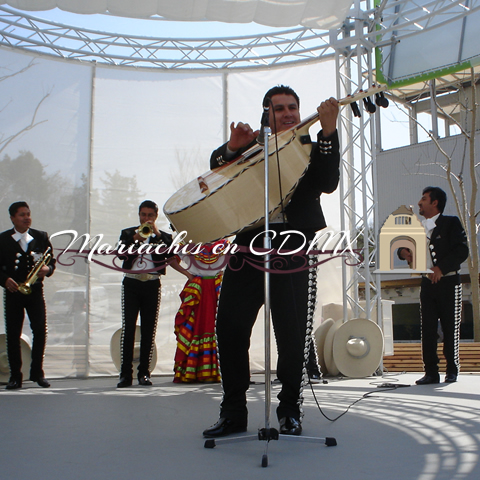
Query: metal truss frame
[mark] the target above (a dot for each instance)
(385, 26)
(359, 216)
(297, 45)
(369, 27)
(411, 17)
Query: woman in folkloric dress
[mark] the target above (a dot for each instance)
(196, 356)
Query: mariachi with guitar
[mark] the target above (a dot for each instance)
(220, 203)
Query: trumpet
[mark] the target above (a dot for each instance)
(145, 230)
(26, 286)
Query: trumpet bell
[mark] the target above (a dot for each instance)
(25, 289)
(145, 230)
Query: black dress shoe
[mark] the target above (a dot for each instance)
(42, 382)
(314, 377)
(314, 374)
(450, 378)
(224, 427)
(124, 382)
(14, 385)
(428, 379)
(290, 426)
(144, 380)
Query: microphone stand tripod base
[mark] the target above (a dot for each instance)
(265, 434)
(268, 434)
(328, 441)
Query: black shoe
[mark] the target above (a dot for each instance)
(42, 382)
(314, 373)
(124, 382)
(428, 379)
(144, 380)
(14, 385)
(225, 427)
(290, 426)
(450, 378)
(314, 377)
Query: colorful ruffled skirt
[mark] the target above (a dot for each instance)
(196, 357)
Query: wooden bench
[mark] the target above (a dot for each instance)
(408, 358)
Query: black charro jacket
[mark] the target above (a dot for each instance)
(448, 244)
(126, 238)
(17, 264)
(304, 211)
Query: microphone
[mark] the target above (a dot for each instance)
(264, 122)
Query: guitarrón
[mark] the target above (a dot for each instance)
(221, 203)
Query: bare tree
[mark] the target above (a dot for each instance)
(465, 201)
(6, 140)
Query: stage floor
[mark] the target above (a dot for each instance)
(88, 429)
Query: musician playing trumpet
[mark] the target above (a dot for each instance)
(141, 292)
(20, 249)
(292, 288)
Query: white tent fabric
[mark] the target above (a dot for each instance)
(106, 139)
(323, 14)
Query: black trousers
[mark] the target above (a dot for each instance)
(241, 297)
(144, 298)
(441, 301)
(15, 306)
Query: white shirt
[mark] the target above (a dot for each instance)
(429, 225)
(22, 237)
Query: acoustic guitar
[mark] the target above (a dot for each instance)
(229, 199)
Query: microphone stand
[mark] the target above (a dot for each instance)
(266, 433)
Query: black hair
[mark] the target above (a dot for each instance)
(148, 204)
(278, 90)
(400, 249)
(14, 207)
(436, 193)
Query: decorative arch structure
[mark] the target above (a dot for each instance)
(402, 229)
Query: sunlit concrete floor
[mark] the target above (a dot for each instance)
(88, 429)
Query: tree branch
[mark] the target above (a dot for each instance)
(24, 69)
(5, 142)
